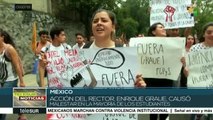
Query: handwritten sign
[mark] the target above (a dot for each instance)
(63, 68)
(171, 13)
(110, 67)
(200, 65)
(159, 57)
(113, 117)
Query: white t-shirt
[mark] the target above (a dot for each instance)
(76, 46)
(57, 61)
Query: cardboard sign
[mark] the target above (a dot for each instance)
(172, 13)
(110, 67)
(200, 65)
(63, 68)
(159, 57)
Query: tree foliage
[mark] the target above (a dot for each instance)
(84, 9)
(132, 15)
(133, 12)
(129, 26)
(205, 13)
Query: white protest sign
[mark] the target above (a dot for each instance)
(200, 65)
(110, 67)
(63, 68)
(159, 57)
(172, 13)
(113, 117)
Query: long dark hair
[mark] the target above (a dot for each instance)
(153, 28)
(205, 27)
(7, 38)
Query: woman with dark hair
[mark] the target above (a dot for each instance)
(103, 29)
(190, 41)
(206, 38)
(206, 42)
(10, 66)
(10, 59)
(157, 30)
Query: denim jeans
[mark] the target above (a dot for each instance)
(2, 116)
(9, 84)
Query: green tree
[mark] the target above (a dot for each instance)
(129, 26)
(205, 13)
(135, 12)
(84, 9)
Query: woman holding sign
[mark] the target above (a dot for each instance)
(206, 42)
(190, 41)
(158, 30)
(103, 28)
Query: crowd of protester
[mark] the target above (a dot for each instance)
(103, 30)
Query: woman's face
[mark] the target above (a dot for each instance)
(159, 31)
(208, 35)
(190, 40)
(102, 26)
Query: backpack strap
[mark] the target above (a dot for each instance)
(37, 44)
(6, 55)
(47, 48)
(8, 58)
(65, 45)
